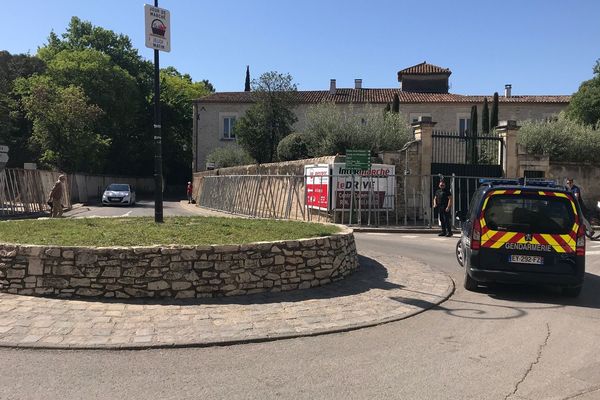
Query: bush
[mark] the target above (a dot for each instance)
(562, 139)
(331, 130)
(229, 156)
(294, 146)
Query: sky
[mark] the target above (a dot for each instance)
(538, 46)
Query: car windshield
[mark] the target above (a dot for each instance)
(115, 187)
(529, 214)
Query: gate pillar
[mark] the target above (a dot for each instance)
(508, 131)
(423, 129)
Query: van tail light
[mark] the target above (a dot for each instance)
(581, 241)
(476, 235)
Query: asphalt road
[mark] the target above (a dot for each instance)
(142, 208)
(500, 343)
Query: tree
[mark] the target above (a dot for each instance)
(15, 128)
(294, 146)
(177, 92)
(472, 137)
(473, 121)
(331, 129)
(396, 103)
(494, 114)
(485, 117)
(64, 125)
(247, 84)
(270, 118)
(585, 103)
(563, 139)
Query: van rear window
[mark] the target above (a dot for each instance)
(533, 214)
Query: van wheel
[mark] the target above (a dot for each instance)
(571, 291)
(469, 283)
(460, 254)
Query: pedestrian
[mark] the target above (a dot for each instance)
(443, 202)
(190, 190)
(56, 196)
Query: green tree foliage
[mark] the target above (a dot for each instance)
(585, 103)
(563, 139)
(247, 83)
(229, 156)
(104, 68)
(473, 121)
(64, 125)
(15, 128)
(294, 146)
(332, 129)
(396, 103)
(270, 118)
(494, 114)
(485, 117)
(177, 92)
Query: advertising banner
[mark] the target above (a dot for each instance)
(317, 186)
(374, 188)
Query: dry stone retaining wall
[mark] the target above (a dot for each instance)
(176, 272)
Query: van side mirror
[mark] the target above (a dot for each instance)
(461, 216)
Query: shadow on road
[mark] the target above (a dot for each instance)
(370, 275)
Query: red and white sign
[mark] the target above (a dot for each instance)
(374, 189)
(317, 186)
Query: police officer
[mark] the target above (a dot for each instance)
(571, 187)
(443, 202)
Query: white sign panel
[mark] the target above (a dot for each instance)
(158, 28)
(317, 186)
(374, 188)
(3, 158)
(3, 148)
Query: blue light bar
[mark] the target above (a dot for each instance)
(518, 182)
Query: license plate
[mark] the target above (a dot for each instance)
(526, 259)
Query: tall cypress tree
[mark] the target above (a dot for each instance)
(247, 85)
(472, 137)
(485, 117)
(396, 104)
(494, 116)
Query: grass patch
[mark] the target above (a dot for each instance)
(107, 232)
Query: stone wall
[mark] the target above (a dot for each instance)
(176, 272)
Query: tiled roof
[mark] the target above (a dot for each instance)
(423, 69)
(379, 96)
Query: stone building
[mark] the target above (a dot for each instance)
(423, 91)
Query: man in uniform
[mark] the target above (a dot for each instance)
(56, 196)
(443, 202)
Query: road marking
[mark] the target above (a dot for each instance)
(127, 214)
(592, 253)
(409, 236)
(441, 239)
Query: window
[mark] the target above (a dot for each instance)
(228, 127)
(463, 121)
(529, 214)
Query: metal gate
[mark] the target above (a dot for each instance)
(466, 158)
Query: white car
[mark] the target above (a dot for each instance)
(118, 194)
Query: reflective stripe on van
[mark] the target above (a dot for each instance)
(560, 243)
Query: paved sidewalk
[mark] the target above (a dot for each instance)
(384, 289)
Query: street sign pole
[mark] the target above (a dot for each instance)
(158, 193)
(158, 37)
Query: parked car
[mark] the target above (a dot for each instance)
(117, 194)
(515, 233)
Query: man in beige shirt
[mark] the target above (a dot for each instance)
(56, 196)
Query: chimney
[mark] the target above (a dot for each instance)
(332, 87)
(507, 89)
(358, 84)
